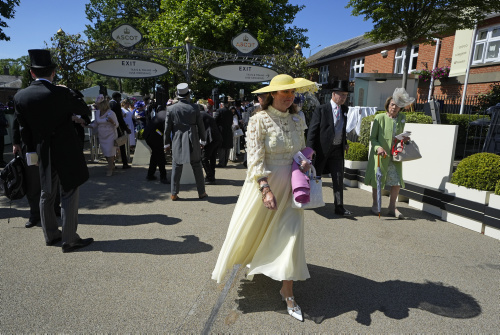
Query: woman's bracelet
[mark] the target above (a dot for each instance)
(265, 192)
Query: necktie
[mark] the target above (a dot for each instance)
(337, 113)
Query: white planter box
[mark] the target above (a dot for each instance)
(354, 165)
(470, 194)
(494, 201)
(492, 231)
(425, 207)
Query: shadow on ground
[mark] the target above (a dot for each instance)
(330, 293)
(126, 220)
(157, 246)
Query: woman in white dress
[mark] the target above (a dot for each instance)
(128, 117)
(235, 150)
(266, 233)
(106, 123)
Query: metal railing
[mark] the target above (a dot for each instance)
(450, 103)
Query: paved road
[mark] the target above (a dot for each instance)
(149, 269)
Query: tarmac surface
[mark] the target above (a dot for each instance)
(149, 269)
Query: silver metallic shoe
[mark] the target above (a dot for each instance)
(294, 311)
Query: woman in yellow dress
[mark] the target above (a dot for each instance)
(265, 233)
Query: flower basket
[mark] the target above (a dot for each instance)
(423, 75)
(441, 73)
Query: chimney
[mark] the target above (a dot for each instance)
(6, 70)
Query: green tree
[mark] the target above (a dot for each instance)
(7, 11)
(107, 15)
(15, 66)
(420, 20)
(211, 24)
(70, 52)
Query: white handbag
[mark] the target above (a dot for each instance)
(315, 193)
(238, 133)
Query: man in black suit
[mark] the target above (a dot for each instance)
(327, 136)
(115, 106)
(45, 113)
(153, 134)
(209, 151)
(224, 119)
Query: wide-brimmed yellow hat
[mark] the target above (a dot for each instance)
(285, 82)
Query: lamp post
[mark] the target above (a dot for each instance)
(310, 50)
(61, 46)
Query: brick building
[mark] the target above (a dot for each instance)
(361, 59)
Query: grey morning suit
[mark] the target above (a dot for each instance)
(183, 130)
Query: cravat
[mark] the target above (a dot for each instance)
(337, 113)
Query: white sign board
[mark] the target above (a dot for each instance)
(126, 35)
(461, 51)
(243, 73)
(127, 68)
(245, 43)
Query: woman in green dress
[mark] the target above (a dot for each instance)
(385, 127)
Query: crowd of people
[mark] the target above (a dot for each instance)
(265, 232)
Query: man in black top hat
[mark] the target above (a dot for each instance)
(327, 136)
(45, 113)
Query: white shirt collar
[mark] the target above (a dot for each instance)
(43, 80)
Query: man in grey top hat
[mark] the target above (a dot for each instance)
(185, 133)
(327, 136)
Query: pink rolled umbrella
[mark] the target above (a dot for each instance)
(300, 181)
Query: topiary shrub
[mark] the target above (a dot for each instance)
(497, 188)
(364, 130)
(357, 152)
(462, 121)
(418, 117)
(479, 171)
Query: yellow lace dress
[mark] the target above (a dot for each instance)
(268, 242)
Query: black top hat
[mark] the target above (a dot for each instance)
(40, 59)
(340, 86)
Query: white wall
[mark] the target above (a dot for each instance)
(378, 92)
(437, 146)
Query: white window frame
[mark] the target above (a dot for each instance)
(323, 74)
(357, 66)
(484, 41)
(400, 56)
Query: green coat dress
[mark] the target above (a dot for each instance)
(381, 136)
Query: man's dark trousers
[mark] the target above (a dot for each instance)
(208, 159)
(334, 162)
(157, 158)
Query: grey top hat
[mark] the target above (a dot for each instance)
(340, 86)
(183, 90)
(40, 59)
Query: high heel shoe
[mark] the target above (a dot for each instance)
(294, 311)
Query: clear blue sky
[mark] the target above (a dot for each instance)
(37, 21)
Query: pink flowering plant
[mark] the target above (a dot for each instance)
(441, 72)
(423, 74)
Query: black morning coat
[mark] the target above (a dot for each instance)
(321, 131)
(44, 113)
